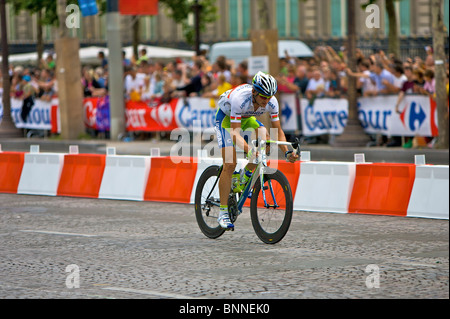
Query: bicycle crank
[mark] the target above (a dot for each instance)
(232, 207)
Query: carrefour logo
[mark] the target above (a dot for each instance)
(416, 117)
(188, 114)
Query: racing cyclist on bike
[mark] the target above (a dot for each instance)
(237, 110)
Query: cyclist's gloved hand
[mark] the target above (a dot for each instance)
(291, 157)
(252, 154)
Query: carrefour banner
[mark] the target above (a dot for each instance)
(150, 116)
(417, 117)
(42, 115)
(289, 106)
(96, 113)
(178, 113)
(324, 116)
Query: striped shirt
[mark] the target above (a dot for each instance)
(237, 104)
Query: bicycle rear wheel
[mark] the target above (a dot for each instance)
(271, 222)
(207, 203)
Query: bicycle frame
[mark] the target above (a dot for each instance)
(261, 161)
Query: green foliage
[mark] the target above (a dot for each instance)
(48, 7)
(176, 9)
(179, 11)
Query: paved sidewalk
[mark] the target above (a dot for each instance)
(317, 152)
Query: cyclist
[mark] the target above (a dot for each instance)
(237, 110)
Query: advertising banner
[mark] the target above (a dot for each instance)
(96, 113)
(42, 116)
(194, 109)
(288, 111)
(324, 116)
(178, 113)
(417, 117)
(150, 117)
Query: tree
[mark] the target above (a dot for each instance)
(46, 15)
(439, 35)
(353, 134)
(265, 43)
(7, 126)
(393, 37)
(179, 11)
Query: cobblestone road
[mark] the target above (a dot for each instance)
(61, 247)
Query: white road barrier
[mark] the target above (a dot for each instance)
(125, 177)
(319, 186)
(324, 186)
(429, 196)
(41, 173)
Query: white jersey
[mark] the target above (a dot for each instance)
(237, 104)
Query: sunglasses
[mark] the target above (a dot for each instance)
(265, 97)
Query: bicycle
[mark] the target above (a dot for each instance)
(270, 192)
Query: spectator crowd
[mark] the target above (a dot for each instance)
(324, 75)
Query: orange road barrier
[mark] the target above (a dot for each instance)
(169, 181)
(11, 165)
(292, 173)
(81, 175)
(382, 189)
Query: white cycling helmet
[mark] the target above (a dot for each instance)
(265, 84)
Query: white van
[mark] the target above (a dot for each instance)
(241, 50)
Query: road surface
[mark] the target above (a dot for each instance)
(65, 247)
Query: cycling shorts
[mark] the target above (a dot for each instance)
(222, 127)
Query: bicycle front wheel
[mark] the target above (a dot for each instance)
(207, 203)
(271, 219)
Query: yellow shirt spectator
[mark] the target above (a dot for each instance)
(221, 88)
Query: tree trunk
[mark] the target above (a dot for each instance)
(61, 12)
(136, 36)
(263, 41)
(263, 14)
(353, 135)
(393, 29)
(7, 126)
(40, 38)
(439, 35)
(68, 76)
